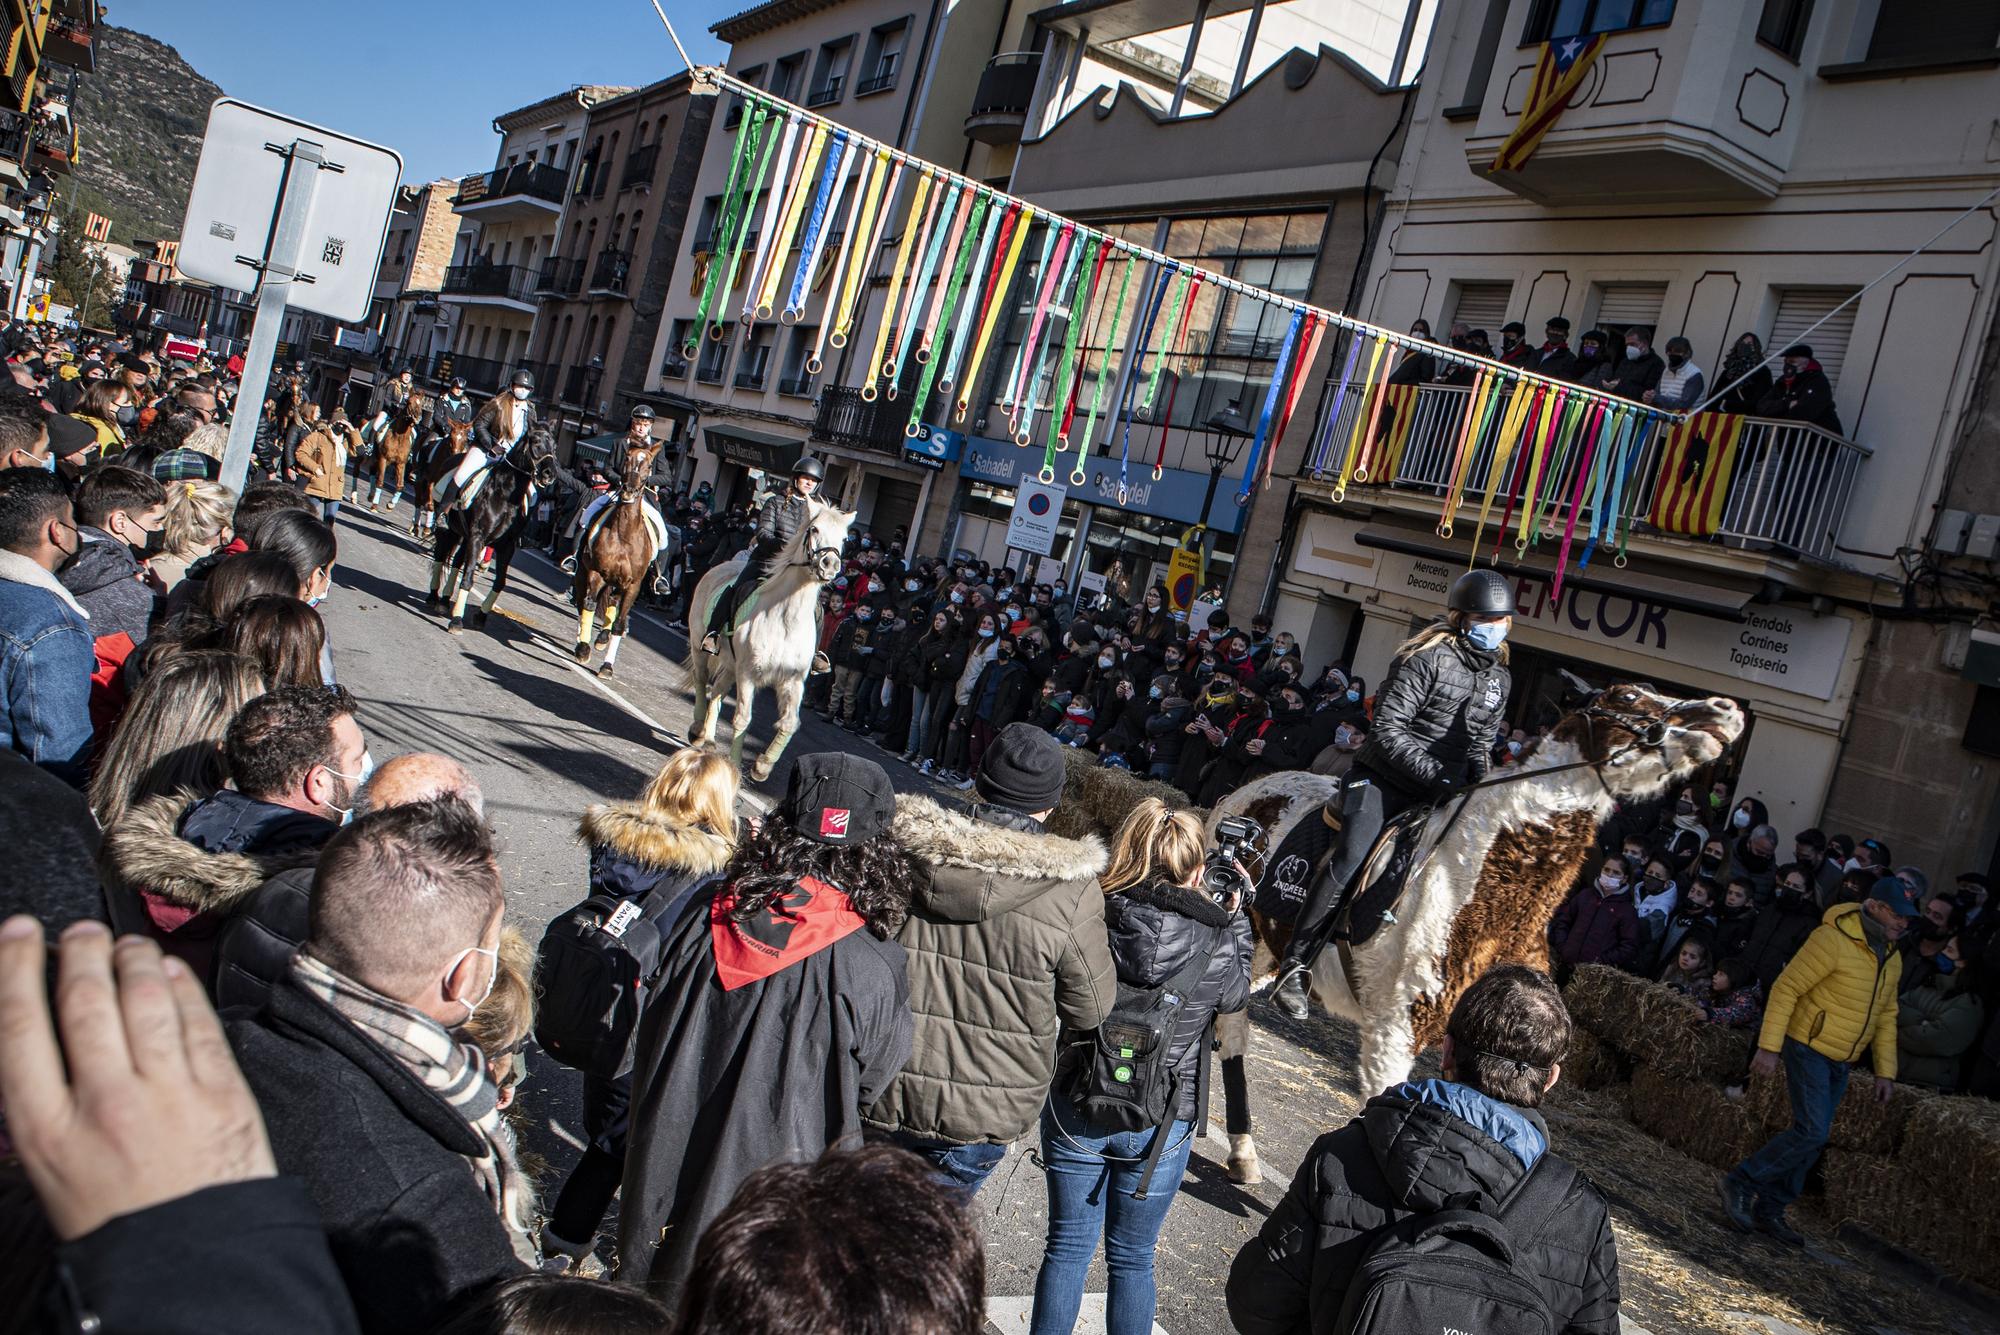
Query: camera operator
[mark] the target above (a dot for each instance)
(1167, 907)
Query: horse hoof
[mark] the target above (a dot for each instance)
(604, 640)
(582, 651)
(604, 670)
(478, 621)
(761, 771)
(454, 626)
(433, 604)
(1244, 1168)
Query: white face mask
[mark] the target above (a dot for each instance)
(1741, 820)
(520, 391)
(493, 973)
(367, 768)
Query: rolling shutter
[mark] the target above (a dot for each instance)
(1621, 305)
(1481, 306)
(1799, 309)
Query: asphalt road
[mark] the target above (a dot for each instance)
(545, 738)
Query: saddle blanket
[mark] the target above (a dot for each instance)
(656, 527)
(470, 476)
(1289, 872)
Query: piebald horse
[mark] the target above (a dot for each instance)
(616, 559)
(774, 639)
(1496, 872)
(495, 517)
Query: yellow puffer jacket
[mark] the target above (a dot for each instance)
(1835, 996)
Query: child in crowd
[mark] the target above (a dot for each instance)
(1734, 998)
(1692, 973)
(1737, 918)
(1079, 716)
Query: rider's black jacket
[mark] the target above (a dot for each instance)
(779, 521)
(1436, 714)
(444, 412)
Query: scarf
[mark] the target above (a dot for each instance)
(1876, 935)
(454, 1071)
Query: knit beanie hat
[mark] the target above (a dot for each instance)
(1022, 769)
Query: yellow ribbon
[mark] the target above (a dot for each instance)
(860, 244)
(947, 258)
(1461, 455)
(804, 183)
(774, 199)
(1022, 226)
(918, 200)
(941, 199)
(862, 179)
(1510, 434)
(1355, 436)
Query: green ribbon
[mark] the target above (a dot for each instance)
(746, 147)
(750, 193)
(926, 267)
(1103, 372)
(953, 286)
(1186, 279)
(1079, 315)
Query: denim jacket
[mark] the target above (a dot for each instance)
(45, 665)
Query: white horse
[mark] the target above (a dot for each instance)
(1498, 872)
(775, 637)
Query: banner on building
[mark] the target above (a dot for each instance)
(97, 227)
(1560, 70)
(1696, 465)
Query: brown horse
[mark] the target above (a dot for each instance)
(392, 455)
(443, 458)
(615, 560)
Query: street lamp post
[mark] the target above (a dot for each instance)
(1223, 438)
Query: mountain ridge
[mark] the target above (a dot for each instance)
(140, 120)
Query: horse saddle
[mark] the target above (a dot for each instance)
(656, 527)
(743, 609)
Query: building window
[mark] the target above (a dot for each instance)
(714, 353)
(1783, 26)
(1549, 20)
(673, 366)
(753, 74)
(883, 57)
(1481, 306)
(1623, 305)
(704, 232)
(755, 363)
(1799, 309)
(786, 76)
(795, 381)
(1937, 30)
(830, 75)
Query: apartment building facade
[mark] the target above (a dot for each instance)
(45, 46)
(408, 315)
(1722, 169)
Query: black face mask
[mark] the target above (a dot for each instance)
(1753, 860)
(155, 543)
(1712, 861)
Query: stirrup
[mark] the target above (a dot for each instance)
(660, 586)
(567, 565)
(711, 643)
(821, 664)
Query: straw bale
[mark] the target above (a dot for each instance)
(1693, 1116)
(1649, 1022)
(1956, 1231)
(1097, 799)
(1860, 1123)
(1590, 1064)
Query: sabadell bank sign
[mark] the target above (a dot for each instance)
(1784, 647)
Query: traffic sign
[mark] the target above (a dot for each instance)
(1032, 524)
(233, 209)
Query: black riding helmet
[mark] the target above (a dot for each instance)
(1482, 593)
(522, 380)
(807, 466)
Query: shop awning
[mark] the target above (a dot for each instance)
(597, 449)
(752, 449)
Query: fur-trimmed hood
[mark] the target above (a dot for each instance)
(144, 852)
(631, 831)
(1007, 868)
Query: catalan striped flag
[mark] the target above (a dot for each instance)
(1696, 463)
(1383, 455)
(1561, 68)
(97, 227)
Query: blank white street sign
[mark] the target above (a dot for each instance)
(233, 207)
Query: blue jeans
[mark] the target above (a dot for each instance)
(1777, 1172)
(1092, 1174)
(963, 1169)
(327, 510)
(920, 708)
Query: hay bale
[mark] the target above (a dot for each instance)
(1950, 1159)
(1097, 799)
(1859, 1123)
(1590, 1064)
(1651, 1023)
(1693, 1116)
(1955, 1231)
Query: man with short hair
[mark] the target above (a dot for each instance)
(1834, 1001)
(1469, 1140)
(1681, 385)
(1641, 369)
(121, 516)
(390, 1121)
(24, 434)
(1809, 850)
(45, 644)
(296, 759)
(1553, 358)
(999, 887)
(1515, 350)
(258, 944)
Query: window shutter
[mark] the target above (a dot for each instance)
(1481, 306)
(1620, 305)
(1799, 309)
(1933, 30)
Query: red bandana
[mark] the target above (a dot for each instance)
(801, 924)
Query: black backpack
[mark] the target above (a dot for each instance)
(592, 972)
(1117, 1075)
(1461, 1268)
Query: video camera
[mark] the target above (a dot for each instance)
(1221, 874)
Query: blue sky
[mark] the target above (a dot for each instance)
(424, 77)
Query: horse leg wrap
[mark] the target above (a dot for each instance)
(437, 577)
(1236, 1097)
(611, 650)
(458, 603)
(492, 597)
(584, 621)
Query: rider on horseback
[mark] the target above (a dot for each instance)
(505, 421)
(777, 523)
(637, 437)
(1435, 720)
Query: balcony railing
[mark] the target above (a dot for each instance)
(560, 277)
(675, 367)
(579, 387)
(536, 180)
(709, 372)
(482, 375)
(639, 164)
(798, 386)
(883, 79)
(1788, 493)
(611, 272)
(1000, 103)
(752, 379)
(13, 135)
(827, 92)
(845, 418)
(512, 282)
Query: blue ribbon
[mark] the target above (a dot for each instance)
(1270, 408)
(1160, 278)
(809, 248)
(1325, 441)
(1601, 467)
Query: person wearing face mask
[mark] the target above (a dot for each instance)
(1782, 926)
(1936, 924)
(1215, 712)
(1639, 369)
(853, 648)
(941, 656)
(1654, 894)
(1589, 367)
(1289, 739)
(376, 1102)
(982, 649)
(1693, 917)
(296, 757)
(1598, 923)
(1754, 857)
(1554, 358)
(1687, 833)
(1169, 710)
(1744, 378)
(1000, 695)
(1681, 385)
(1418, 365)
(1802, 393)
(121, 518)
(45, 633)
(1939, 1020)
(1445, 693)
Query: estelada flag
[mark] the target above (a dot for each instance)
(1561, 68)
(1382, 454)
(1696, 463)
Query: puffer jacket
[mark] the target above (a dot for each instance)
(1435, 716)
(1006, 945)
(779, 521)
(1937, 1024)
(110, 585)
(633, 850)
(1412, 1149)
(1155, 930)
(1592, 927)
(1837, 996)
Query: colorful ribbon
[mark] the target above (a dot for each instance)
(729, 214)
(825, 202)
(996, 301)
(865, 181)
(897, 271)
(1184, 318)
(1362, 424)
(999, 221)
(1271, 397)
(1079, 318)
(964, 237)
(1077, 475)
(949, 291)
(775, 199)
(1324, 445)
(943, 203)
(1055, 243)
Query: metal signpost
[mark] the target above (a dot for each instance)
(297, 215)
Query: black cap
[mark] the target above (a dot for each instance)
(835, 798)
(458, 382)
(1558, 322)
(67, 435)
(1022, 769)
(1798, 350)
(641, 413)
(1483, 593)
(521, 380)
(1513, 327)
